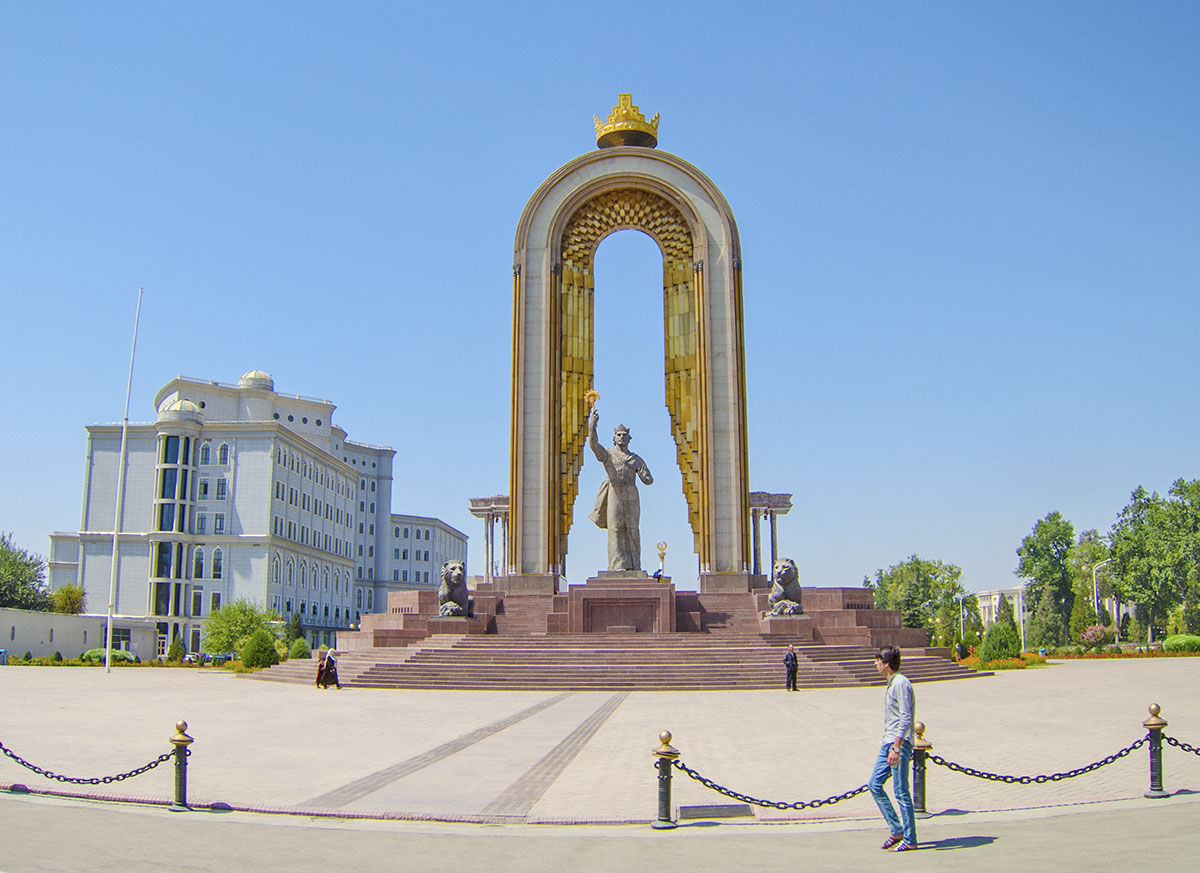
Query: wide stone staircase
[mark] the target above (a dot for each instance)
(591, 662)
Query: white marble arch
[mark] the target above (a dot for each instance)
(535, 466)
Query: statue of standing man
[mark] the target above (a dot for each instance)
(617, 506)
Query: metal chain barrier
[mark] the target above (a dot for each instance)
(98, 780)
(1048, 777)
(774, 804)
(1180, 744)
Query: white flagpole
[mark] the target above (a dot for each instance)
(118, 513)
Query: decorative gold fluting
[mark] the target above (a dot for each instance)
(591, 223)
(626, 126)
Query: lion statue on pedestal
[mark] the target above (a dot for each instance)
(453, 599)
(786, 593)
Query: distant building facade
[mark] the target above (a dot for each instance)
(237, 491)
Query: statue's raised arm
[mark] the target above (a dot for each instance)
(598, 450)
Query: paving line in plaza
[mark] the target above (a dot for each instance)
(519, 797)
(361, 787)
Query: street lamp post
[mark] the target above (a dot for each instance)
(1095, 589)
(962, 631)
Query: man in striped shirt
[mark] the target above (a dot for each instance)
(899, 709)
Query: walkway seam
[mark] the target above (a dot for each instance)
(372, 782)
(521, 796)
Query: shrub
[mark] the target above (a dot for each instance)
(58, 657)
(259, 650)
(98, 655)
(300, 649)
(175, 651)
(1182, 643)
(1003, 664)
(1000, 641)
(1113, 649)
(28, 656)
(1032, 658)
(1097, 635)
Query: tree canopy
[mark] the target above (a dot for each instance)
(925, 592)
(1156, 552)
(22, 577)
(231, 625)
(1043, 559)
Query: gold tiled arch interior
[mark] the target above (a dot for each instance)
(646, 211)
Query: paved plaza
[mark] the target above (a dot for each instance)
(488, 765)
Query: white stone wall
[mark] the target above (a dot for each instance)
(44, 633)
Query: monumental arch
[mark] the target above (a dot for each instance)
(627, 184)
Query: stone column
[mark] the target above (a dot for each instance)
(774, 545)
(754, 514)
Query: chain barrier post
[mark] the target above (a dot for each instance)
(921, 749)
(666, 755)
(181, 741)
(1155, 726)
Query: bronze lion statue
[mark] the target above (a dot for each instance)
(785, 597)
(453, 599)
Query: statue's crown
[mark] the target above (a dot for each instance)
(620, 428)
(626, 126)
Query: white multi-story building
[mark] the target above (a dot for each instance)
(237, 491)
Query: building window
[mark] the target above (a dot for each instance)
(370, 572)
(216, 564)
(362, 506)
(404, 554)
(205, 454)
(197, 602)
(198, 564)
(396, 532)
(291, 572)
(360, 572)
(202, 490)
(372, 512)
(404, 576)
(370, 599)
(372, 486)
(326, 580)
(326, 612)
(223, 454)
(218, 522)
(360, 527)
(201, 522)
(220, 489)
(275, 570)
(303, 607)
(370, 551)
(396, 554)
(216, 601)
(395, 575)
(406, 533)
(358, 598)
(303, 575)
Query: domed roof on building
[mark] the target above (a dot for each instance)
(256, 379)
(179, 410)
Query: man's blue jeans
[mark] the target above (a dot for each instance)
(907, 822)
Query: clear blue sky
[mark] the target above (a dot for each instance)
(970, 231)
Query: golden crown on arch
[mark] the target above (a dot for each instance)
(626, 126)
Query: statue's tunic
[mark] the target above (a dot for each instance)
(618, 508)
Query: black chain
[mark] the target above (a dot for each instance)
(775, 804)
(1048, 777)
(98, 780)
(1180, 744)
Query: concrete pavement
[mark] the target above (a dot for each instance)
(517, 758)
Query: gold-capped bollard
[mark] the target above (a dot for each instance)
(1154, 724)
(921, 749)
(181, 741)
(666, 755)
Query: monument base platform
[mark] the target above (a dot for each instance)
(621, 601)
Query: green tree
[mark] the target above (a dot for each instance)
(299, 649)
(230, 625)
(69, 599)
(923, 591)
(1083, 615)
(1043, 560)
(292, 631)
(1152, 556)
(259, 649)
(22, 577)
(175, 651)
(1000, 641)
(1005, 614)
